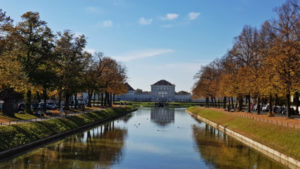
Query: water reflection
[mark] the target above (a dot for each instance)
(162, 115)
(222, 152)
(100, 147)
(138, 142)
(127, 117)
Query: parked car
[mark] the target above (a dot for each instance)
(266, 107)
(277, 109)
(41, 105)
(51, 106)
(21, 107)
(35, 106)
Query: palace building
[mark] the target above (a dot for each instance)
(161, 91)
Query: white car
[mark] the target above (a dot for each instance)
(265, 107)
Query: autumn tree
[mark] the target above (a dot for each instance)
(34, 38)
(262, 63)
(268, 80)
(93, 76)
(284, 54)
(72, 62)
(114, 79)
(12, 79)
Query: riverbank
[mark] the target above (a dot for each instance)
(19, 137)
(285, 140)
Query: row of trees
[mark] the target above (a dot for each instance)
(263, 63)
(34, 61)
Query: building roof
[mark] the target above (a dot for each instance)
(129, 87)
(163, 82)
(183, 93)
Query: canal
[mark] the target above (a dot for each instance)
(149, 138)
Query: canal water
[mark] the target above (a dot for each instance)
(149, 138)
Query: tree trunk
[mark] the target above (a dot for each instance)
(276, 100)
(76, 101)
(207, 102)
(228, 104)
(10, 107)
(233, 106)
(38, 97)
(102, 99)
(224, 102)
(90, 99)
(106, 103)
(67, 102)
(28, 101)
(110, 100)
(249, 103)
(297, 102)
(258, 105)
(240, 103)
(271, 105)
(288, 105)
(45, 100)
(216, 105)
(59, 98)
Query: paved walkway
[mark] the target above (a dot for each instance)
(277, 120)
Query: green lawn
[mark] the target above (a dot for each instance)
(283, 139)
(25, 116)
(18, 116)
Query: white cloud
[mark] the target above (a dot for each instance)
(144, 21)
(188, 66)
(146, 147)
(77, 34)
(170, 16)
(193, 15)
(142, 54)
(91, 51)
(92, 9)
(107, 23)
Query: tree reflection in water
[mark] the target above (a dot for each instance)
(100, 147)
(222, 152)
(126, 118)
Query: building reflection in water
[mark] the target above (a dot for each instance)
(163, 115)
(100, 147)
(221, 152)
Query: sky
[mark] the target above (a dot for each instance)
(153, 39)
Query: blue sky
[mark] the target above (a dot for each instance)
(154, 39)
